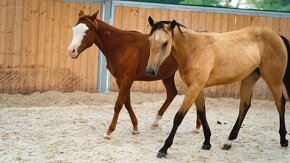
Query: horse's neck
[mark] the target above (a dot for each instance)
(183, 43)
(108, 37)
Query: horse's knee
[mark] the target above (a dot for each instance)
(178, 119)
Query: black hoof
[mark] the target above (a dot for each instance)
(161, 155)
(206, 147)
(226, 147)
(285, 144)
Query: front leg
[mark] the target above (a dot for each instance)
(191, 95)
(125, 86)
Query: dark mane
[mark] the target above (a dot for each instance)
(160, 25)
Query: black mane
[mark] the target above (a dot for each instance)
(160, 25)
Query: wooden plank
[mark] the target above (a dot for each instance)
(41, 46)
(187, 19)
(48, 46)
(3, 32)
(180, 17)
(126, 18)
(246, 21)
(239, 22)
(282, 26)
(118, 16)
(17, 47)
(25, 47)
(217, 22)
(209, 21)
(8, 57)
(55, 46)
(194, 21)
(202, 21)
(65, 31)
(34, 11)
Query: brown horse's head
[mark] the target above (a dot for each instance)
(160, 39)
(84, 33)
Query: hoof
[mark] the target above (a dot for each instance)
(154, 126)
(135, 132)
(285, 144)
(226, 147)
(206, 147)
(108, 137)
(161, 155)
(196, 131)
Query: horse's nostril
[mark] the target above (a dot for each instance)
(151, 72)
(73, 50)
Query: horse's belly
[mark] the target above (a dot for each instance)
(230, 75)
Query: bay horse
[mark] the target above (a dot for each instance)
(208, 59)
(126, 53)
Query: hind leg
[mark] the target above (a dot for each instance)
(171, 93)
(130, 110)
(124, 86)
(245, 103)
(276, 89)
(132, 115)
(199, 103)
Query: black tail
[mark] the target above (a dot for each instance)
(286, 78)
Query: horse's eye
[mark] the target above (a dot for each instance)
(86, 31)
(165, 44)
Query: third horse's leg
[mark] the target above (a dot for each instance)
(199, 103)
(171, 93)
(245, 103)
(125, 86)
(132, 114)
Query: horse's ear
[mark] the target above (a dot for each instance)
(172, 24)
(151, 21)
(94, 16)
(81, 13)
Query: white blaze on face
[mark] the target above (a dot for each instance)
(79, 31)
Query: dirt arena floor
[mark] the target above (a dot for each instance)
(69, 127)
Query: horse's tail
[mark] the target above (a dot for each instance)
(286, 77)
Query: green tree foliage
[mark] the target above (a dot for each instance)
(276, 5)
(272, 5)
(201, 2)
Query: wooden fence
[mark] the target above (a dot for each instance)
(131, 18)
(34, 36)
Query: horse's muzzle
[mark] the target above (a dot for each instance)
(74, 52)
(150, 72)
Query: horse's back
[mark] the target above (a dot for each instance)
(240, 52)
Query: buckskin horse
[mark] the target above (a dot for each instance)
(208, 59)
(126, 53)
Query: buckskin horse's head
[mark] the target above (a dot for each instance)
(84, 33)
(161, 40)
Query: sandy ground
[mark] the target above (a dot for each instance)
(69, 127)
